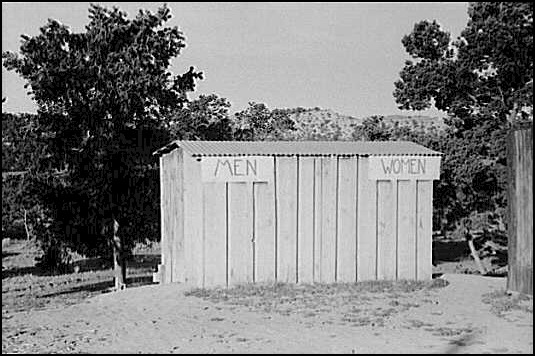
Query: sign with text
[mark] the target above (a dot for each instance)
(404, 167)
(237, 169)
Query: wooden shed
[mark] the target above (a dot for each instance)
(296, 212)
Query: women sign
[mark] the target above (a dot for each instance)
(404, 167)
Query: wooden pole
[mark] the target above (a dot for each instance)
(470, 240)
(119, 265)
(26, 225)
(119, 261)
(520, 208)
(475, 255)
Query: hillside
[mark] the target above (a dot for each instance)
(426, 121)
(318, 114)
(317, 123)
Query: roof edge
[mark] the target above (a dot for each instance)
(177, 143)
(166, 149)
(312, 154)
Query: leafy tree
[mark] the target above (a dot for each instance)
(372, 129)
(24, 152)
(484, 82)
(484, 75)
(206, 118)
(94, 90)
(22, 142)
(259, 123)
(320, 125)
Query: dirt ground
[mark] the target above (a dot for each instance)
(465, 314)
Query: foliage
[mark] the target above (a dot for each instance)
(205, 118)
(372, 129)
(24, 156)
(22, 142)
(426, 41)
(479, 77)
(259, 123)
(313, 124)
(482, 80)
(103, 96)
(321, 125)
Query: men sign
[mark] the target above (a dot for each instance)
(404, 167)
(237, 169)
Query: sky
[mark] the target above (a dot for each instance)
(339, 56)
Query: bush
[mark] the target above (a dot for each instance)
(56, 258)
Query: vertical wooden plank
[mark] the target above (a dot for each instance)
(305, 229)
(424, 209)
(386, 229)
(215, 234)
(521, 217)
(186, 192)
(286, 219)
(177, 201)
(407, 229)
(164, 219)
(366, 224)
(519, 225)
(318, 218)
(171, 204)
(240, 243)
(511, 211)
(347, 220)
(328, 238)
(193, 221)
(527, 209)
(265, 231)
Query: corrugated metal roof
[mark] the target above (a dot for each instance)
(301, 148)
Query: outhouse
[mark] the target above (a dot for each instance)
(296, 212)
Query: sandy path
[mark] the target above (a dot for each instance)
(160, 319)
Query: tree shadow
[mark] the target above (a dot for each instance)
(146, 262)
(500, 259)
(93, 264)
(102, 287)
(21, 271)
(456, 346)
(9, 254)
(143, 261)
(87, 264)
(140, 261)
(450, 251)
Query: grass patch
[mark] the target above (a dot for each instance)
(449, 332)
(287, 292)
(357, 304)
(501, 302)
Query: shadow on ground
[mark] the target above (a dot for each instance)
(102, 287)
(450, 250)
(457, 346)
(136, 262)
(9, 254)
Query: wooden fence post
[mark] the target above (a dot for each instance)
(520, 209)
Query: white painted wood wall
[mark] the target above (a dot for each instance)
(320, 220)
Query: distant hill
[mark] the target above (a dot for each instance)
(328, 121)
(316, 123)
(323, 122)
(426, 121)
(318, 114)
